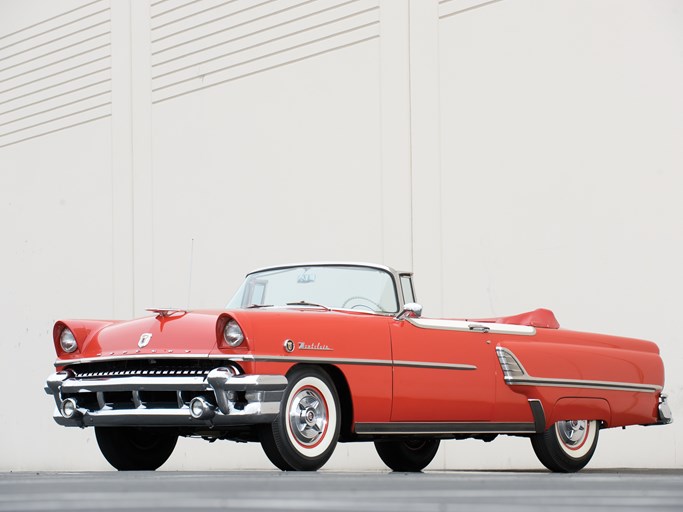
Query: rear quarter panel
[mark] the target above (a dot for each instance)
(561, 354)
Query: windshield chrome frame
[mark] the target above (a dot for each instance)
(394, 274)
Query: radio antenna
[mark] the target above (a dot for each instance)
(189, 285)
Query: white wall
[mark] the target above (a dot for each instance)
(514, 154)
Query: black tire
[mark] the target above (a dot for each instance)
(305, 433)
(567, 446)
(135, 449)
(410, 456)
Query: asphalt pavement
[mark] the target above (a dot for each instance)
(255, 491)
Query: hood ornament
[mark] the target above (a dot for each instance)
(164, 312)
(144, 339)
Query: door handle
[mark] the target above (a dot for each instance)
(479, 328)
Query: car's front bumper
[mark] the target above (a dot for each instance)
(227, 399)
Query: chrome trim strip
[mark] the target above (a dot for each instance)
(470, 326)
(575, 383)
(363, 362)
(438, 366)
(273, 359)
(513, 378)
(416, 428)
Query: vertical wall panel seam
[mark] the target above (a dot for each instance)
(438, 158)
(132, 154)
(410, 135)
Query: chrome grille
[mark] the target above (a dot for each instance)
(141, 373)
(148, 368)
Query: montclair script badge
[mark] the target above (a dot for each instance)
(144, 339)
(290, 345)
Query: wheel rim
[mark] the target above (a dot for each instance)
(308, 417)
(576, 438)
(572, 433)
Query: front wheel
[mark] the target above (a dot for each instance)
(305, 433)
(567, 446)
(410, 456)
(135, 449)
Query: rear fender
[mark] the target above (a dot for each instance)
(578, 408)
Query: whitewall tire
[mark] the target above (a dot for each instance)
(305, 433)
(568, 445)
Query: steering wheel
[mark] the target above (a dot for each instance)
(376, 307)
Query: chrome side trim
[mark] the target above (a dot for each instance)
(438, 366)
(363, 362)
(465, 326)
(515, 374)
(273, 359)
(442, 428)
(590, 384)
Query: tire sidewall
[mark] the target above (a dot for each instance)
(297, 455)
(586, 447)
(407, 456)
(556, 456)
(130, 448)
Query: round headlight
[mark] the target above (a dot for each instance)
(69, 408)
(67, 341)
(232, 333)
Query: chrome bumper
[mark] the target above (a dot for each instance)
(665, 416)
(228, 399)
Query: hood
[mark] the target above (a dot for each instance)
(179, 333)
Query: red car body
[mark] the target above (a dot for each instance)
(393, 377)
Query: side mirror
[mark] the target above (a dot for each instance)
(410, 310)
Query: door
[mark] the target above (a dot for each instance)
(443, 371)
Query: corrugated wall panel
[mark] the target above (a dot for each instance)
(451, 7)
(55, 73)
(209, 43)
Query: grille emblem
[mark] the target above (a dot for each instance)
(144, 339)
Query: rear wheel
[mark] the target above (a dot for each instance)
(131, 449)
(305, 433)
(411, 456)
(567, 446)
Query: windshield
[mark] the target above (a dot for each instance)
(341, 287)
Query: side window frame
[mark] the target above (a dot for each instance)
(409, 294)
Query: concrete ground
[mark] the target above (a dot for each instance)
(623, 490)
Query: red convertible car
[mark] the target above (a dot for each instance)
(309, 355)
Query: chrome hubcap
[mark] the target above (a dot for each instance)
(308, 416)
(573, 432)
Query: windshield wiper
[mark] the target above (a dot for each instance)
(304, 303)
(254, 306)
